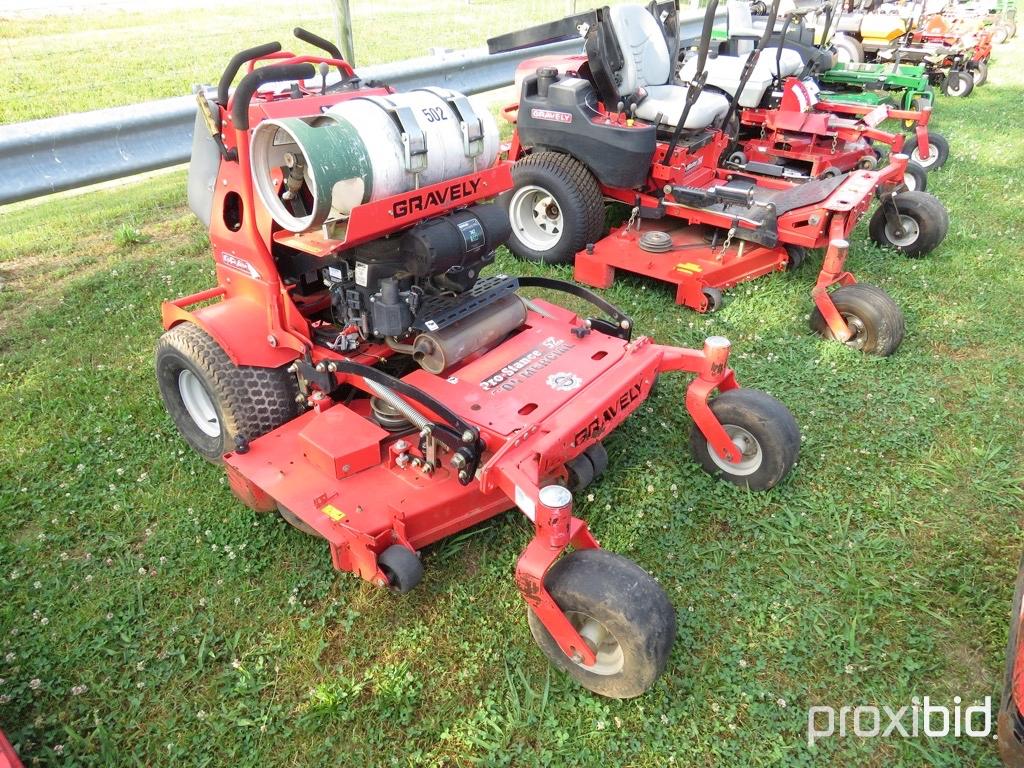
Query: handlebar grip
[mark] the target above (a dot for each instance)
(251, 82)
(320, 42)
(240, 58)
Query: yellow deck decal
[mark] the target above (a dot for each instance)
(688, 266)
(333, 512)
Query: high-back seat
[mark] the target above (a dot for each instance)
(647, 67)
(723, 72)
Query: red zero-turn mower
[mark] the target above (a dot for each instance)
(613, 125)
(796, 135)
(354, 371)
(1011, 708)
(8, 758)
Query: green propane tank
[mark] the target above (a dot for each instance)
(365, 149)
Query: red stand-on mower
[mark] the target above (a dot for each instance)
(353, 371)
(615, 125)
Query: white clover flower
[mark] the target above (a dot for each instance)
(35, 683)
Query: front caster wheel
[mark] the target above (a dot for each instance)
(980, 73)
(958, 84)
(915, 178)
(621, 612)
(763, 429)
(924, 222)
(937, 155)
(402, 567)
(875, 319)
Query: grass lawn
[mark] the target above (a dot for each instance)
(148, 618)
(56, 62)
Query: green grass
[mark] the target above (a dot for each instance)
(167, 625)
(56, 62)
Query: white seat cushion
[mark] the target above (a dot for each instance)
(791, 62)
(664, 105)
(724, 73)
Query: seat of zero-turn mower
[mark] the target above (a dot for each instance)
(724, 73)
(647, 65)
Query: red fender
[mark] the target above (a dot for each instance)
(235, 325)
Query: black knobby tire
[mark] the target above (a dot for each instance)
(630, 607)
(247, 401)
(403, 568)
(938, 151)
(925, 220)
(980, 73)
(576, 198)
(761, 425)
(871, 313)
(958, 84)
(1009, 745)
(915, 178)
(850, 46)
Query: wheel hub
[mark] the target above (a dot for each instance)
(606, 649)
(751, 455)
(198, 403)
(536, 218)
(905, 234)
(857, 331)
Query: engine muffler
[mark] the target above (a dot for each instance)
(437, 351)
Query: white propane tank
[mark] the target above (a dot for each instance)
(365, 149)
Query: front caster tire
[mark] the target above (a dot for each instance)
(958, 84)
(556, 208)
(211, 400)
(938, 151)
(403, 568)
(622, 613)
(980, 73)
(924, 221)
(915, 178)
(765, 431)
(875, 319)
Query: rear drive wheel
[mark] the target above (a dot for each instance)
(762, 428)
(623, 615)
(924, 222)
(938, 151)
(872, 315)
(848, 49)
(958, 84)
(211, 400)
(915, 178)
(555, 208)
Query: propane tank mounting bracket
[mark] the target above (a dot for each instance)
(414, 142)
(472, 127)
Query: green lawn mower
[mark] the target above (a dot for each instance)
(904, 86)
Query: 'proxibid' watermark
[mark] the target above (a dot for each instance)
(921, 716)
